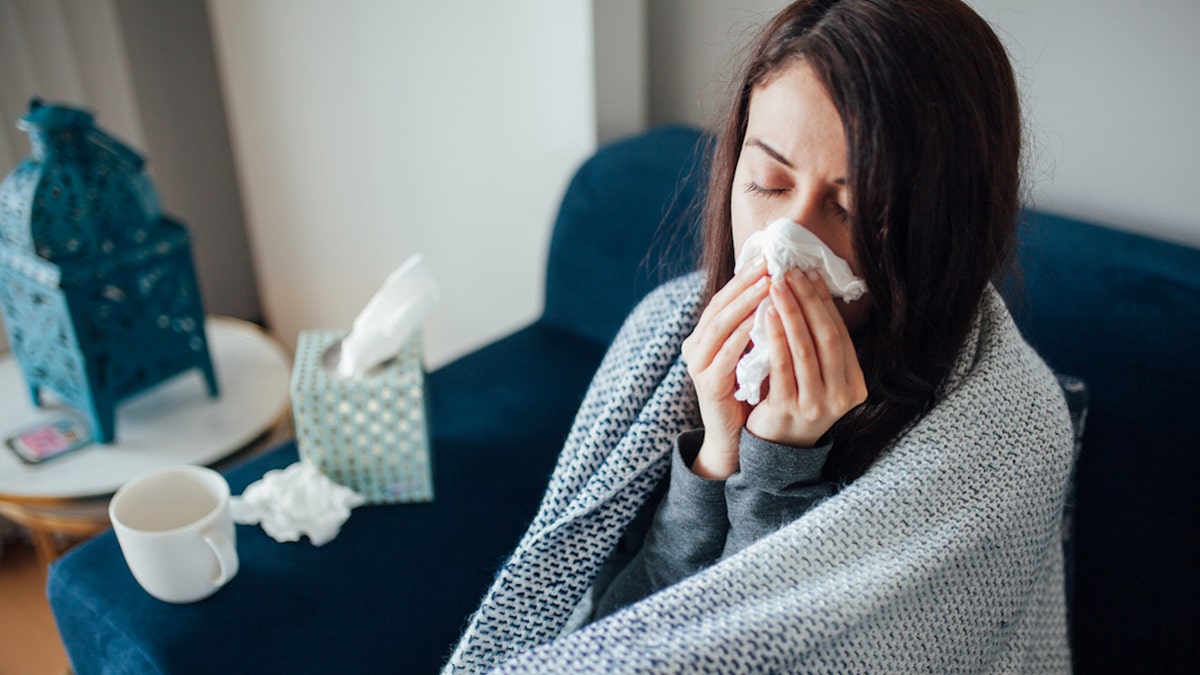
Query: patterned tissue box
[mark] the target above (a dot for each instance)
(367, 433)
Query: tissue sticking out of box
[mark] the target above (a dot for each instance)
(395, 311)
(296, 501)
(786, 245)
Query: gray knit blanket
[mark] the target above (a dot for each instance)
(944, 557)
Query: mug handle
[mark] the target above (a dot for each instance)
(226, 554)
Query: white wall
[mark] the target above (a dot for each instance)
(619, 45)
(369, 130)
(694, 47)
(1110, 91)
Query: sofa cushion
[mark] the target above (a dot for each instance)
(1122, 312)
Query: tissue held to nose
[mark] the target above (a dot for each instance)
(786, 245)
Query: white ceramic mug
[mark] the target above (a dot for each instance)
(176, 532)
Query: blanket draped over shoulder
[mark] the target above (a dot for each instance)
(945, 556)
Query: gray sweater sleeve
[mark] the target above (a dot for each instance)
(702, 521)
(775, 485)
(687, 534)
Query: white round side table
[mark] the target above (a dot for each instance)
(173, 423)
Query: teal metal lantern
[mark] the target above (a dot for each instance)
(98, 287)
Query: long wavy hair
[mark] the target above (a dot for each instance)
(932, 122)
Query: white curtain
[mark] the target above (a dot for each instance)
(61, 50)
(146, 71)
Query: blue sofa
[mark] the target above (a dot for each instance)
(392, 592)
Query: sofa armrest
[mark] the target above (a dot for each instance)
(393, 590)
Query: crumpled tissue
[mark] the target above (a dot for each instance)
(389, 318)
(786, 245)
(296, 501)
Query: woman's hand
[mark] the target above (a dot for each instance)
(711, 353)
(815, 376)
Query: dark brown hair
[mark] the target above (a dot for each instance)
(931, 116)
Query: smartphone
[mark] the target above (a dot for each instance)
(47, 440)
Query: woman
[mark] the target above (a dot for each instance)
(893, 501)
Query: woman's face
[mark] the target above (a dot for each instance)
(793, 165)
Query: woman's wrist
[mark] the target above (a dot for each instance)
(717, 459)
(784, 436)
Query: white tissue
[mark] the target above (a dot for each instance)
(786, 245)
(391, 316)
(296, 501)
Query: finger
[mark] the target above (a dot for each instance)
(825, 323)
(728, 355)
(855, 391)
(805, 365)
(717, 383)
(709, 338)
(782, 376)
(830, 303)
(853, 369)
(845, 385)
(733, 289)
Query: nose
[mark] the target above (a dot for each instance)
(809, 208)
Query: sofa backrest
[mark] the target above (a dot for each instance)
(634, 196)
(1122, 312)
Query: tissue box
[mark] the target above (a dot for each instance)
(367, 433)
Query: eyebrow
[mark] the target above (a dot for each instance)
(778, 157)
(775, 154)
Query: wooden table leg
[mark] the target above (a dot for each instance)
(80, 519)
(43, 543)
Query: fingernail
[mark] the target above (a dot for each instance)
(762, 281)
(812, 275)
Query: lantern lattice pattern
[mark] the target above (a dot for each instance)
(98, 288)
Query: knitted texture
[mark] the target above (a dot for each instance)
(945, 556)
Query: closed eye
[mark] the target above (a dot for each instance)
(838, 210)
(760, 191)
